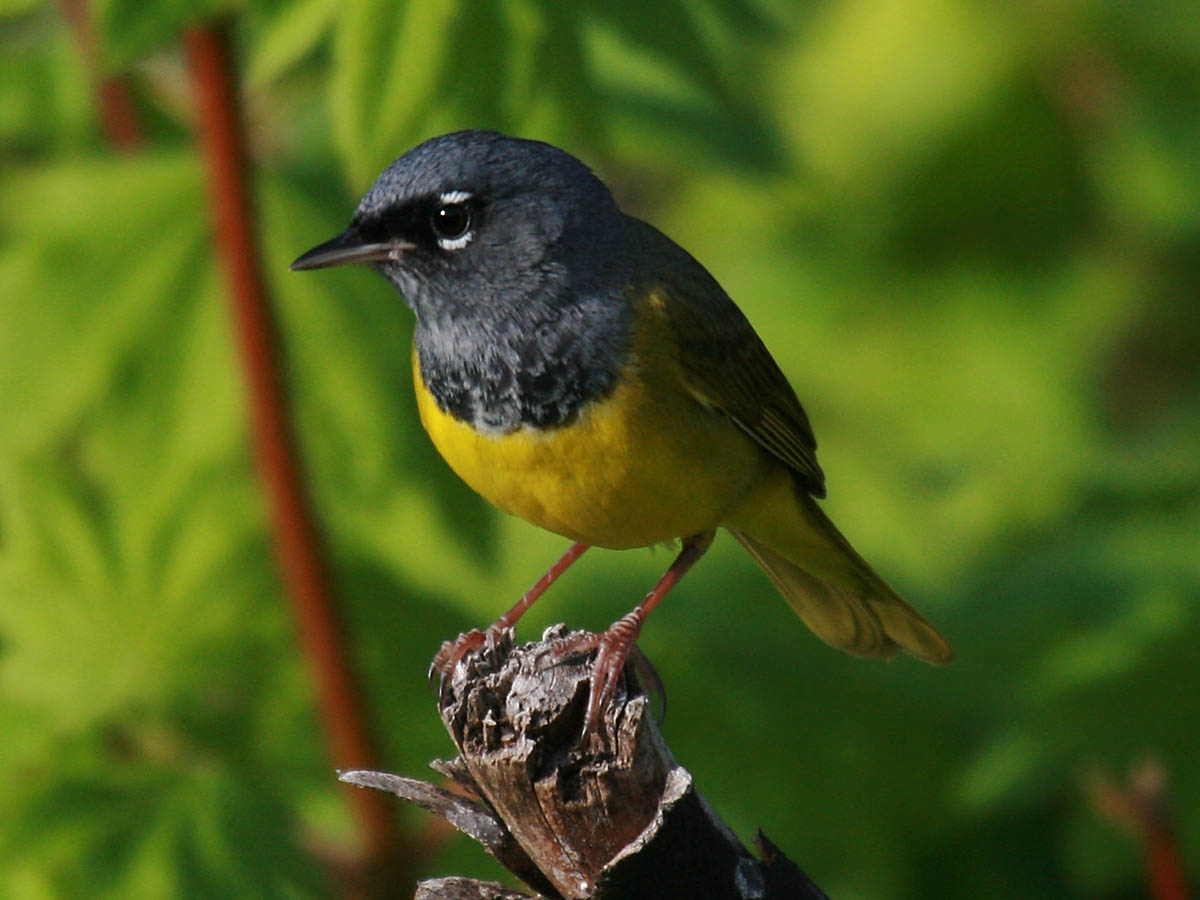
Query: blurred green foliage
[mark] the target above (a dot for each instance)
(969, 232)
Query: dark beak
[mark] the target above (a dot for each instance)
(349, 247)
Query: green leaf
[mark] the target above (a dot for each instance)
(18, 7)
(45, 102)
(79, 305)
(292, 32)
(388, 56)
(130, 30)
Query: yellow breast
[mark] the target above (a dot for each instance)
(644, 465)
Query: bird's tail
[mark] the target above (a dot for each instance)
(840, 597)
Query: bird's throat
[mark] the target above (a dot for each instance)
(517, 371)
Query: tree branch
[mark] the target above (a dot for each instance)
(612, 816)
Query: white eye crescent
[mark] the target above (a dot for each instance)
(457, 243)
(451, 220)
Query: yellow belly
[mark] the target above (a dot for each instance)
(644, 465)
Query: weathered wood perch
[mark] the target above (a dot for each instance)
(610, 817)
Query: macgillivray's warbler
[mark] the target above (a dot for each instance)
(579, 369)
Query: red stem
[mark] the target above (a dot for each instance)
(1142, 807)
(1163, 863)
(297, 544)
(118, 115)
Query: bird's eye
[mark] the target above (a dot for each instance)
(451, 223)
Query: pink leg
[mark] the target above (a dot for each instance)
(616, 644)
(452, 651)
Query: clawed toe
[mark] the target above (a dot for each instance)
(613, 649)
(452, 652)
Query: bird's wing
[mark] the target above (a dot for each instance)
(726, 366)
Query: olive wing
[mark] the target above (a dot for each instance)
(727, 367)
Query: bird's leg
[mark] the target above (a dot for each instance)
(614, 646)
(452, 651)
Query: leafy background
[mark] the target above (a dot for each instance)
(969, 232)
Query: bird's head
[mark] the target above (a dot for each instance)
(476, 217)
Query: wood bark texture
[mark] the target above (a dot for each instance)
(598, 817)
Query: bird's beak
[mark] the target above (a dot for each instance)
(349, 247)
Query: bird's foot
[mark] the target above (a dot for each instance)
(452, 652)
(614, 648)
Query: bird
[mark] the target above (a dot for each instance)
(579, 369)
